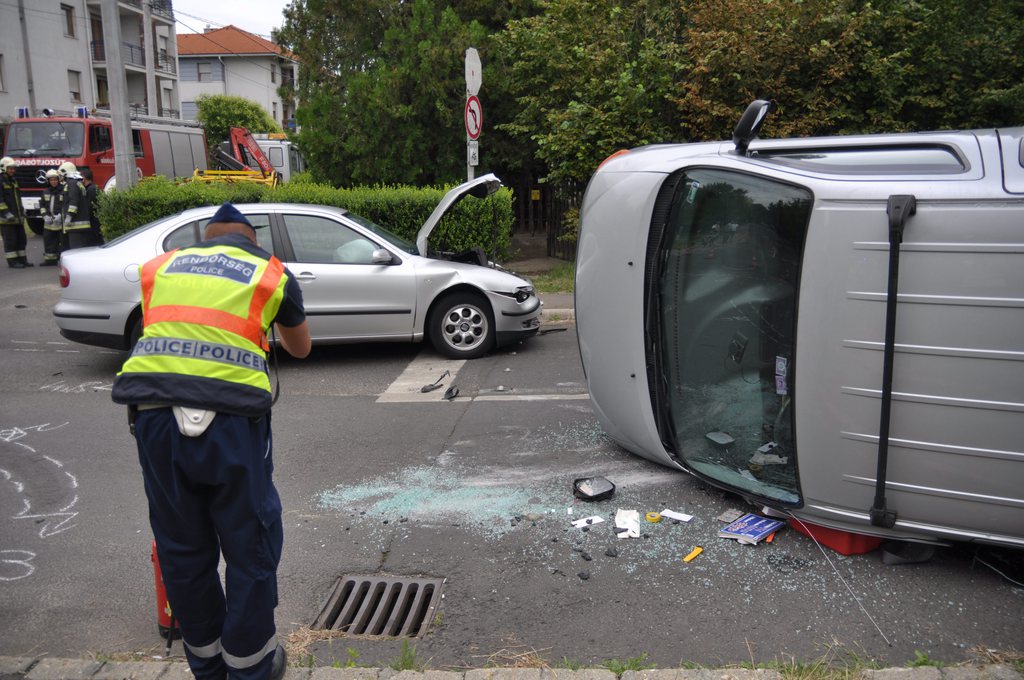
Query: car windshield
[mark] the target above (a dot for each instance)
(725, 337)
(391, 238)
(45, 138)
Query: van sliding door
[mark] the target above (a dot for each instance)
(724, 328)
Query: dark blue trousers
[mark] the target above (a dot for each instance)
(209, 495)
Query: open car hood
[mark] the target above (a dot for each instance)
(481, 187)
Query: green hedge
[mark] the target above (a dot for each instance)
(471, 223)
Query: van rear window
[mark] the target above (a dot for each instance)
(931, 159)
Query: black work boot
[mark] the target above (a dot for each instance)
(15, 263)
(25, 262)
(279, 664)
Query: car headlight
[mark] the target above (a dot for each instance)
(524, 293)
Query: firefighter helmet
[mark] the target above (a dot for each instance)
(52, 173)
(7, 162)
(67, 168)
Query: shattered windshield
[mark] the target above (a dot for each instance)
(727, 328)
(45, 138)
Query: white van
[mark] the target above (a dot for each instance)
(832, 327)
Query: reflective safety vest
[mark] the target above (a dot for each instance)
(205, 314)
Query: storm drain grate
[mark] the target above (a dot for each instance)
(380, 605)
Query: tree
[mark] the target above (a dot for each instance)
(590, 78)
(382, 86)
(219, 113)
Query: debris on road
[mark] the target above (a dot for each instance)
(592, 488)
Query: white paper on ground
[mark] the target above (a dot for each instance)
(627, 523)
(672, 514)
(587, 521)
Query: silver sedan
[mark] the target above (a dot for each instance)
(360, 282)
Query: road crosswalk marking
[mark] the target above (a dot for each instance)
(425, 369)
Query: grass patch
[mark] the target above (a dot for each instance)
(406, 660)
(620, 666)
(351, 662)
(921, 659)
(558, 280)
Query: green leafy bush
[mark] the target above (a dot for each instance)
(403, 210)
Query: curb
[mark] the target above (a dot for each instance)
(557, 315)
(47, 668)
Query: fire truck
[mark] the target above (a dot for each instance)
(162, 147)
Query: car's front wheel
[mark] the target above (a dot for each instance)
(462, 326)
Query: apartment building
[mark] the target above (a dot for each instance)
(235, 62)
(53, 55)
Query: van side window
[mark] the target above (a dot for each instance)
(725, 305)
(99, 138)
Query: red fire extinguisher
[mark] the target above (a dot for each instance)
(164, 616)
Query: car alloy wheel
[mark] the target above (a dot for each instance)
(461, 326)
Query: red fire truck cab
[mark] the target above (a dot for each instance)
(162, 147)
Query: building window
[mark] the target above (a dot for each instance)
(273, 73)
(75, 85)
(205, 71)
(274, 104)
(69, 20)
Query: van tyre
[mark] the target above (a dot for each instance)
(461, 326)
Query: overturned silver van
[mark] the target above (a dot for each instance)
(832, 327)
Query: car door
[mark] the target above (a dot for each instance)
(346, 295)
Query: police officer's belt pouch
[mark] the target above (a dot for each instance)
(192, 422)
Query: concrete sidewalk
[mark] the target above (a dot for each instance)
(21, 668)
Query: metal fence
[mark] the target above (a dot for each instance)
(541, 209)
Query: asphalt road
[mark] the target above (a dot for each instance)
(476, 492)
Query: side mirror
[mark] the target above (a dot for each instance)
(381, 256)
(750, 124)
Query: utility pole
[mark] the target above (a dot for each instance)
(124, 150)
(28, 59)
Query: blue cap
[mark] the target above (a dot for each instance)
(229, 213)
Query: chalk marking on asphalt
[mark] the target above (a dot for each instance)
(5, 558)
(68, 351)
(24, 342)
(423, 370)
(56, 342)
(19, 349)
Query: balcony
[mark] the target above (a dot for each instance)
(134, 110)
(165, 63)
(133, 54)
(170, 113)
(162, 7)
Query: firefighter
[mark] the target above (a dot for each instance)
(12, 216)
(51, 205)
(89, 209)
(199, 401)
(77, 230)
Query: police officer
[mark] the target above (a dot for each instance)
(51, 205)
(77, 230)
(199, 399)
(12, 216)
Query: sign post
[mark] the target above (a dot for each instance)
(474, 113)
